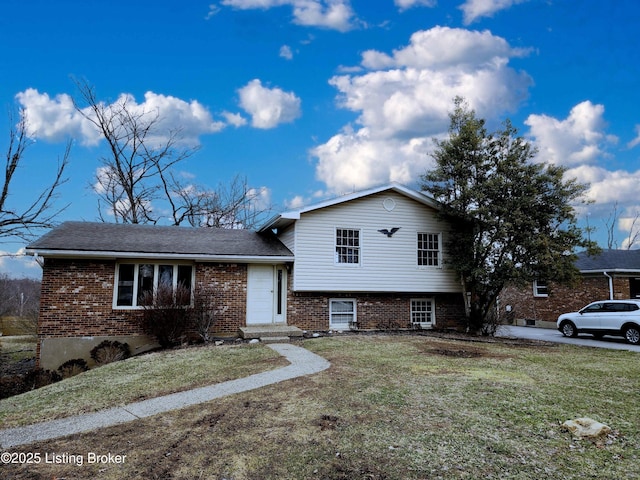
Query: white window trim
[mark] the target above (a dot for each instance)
(355, 312)
(536, 293)
(433, 311)
(335, 246)
(440, 257)
(136, 269)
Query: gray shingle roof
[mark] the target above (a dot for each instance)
(95, 239)
(609, 260)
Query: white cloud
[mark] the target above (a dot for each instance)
(332, 14)
(268, 107)
(578, 139)
(608, 187)
(285, 52)
(474, 9)
(234, 119)
(406, 4)
(404, 98)
(636, 141)
(54, 119)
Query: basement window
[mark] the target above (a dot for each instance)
(540, 288)
(137, 283)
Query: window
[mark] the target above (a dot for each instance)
(540, 288)
(137, 282)
(342, 313)
(347, 246)
(422, 311)
(429, 249)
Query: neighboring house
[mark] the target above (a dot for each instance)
(613, 274)
(369, 260)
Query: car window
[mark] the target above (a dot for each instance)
(632, 307)
(594, 308)
(616, 307)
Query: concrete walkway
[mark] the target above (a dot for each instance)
(303, 362)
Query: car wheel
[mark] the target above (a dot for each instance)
(632, 334)
(569, 329)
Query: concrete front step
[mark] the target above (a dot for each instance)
(274, 339)
(268, 331)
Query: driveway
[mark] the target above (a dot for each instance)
(552, 335)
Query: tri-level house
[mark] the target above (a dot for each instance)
(373, 259)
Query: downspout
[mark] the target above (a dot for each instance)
(610, 285)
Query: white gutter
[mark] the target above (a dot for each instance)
(610, 285)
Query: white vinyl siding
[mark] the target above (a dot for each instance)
(386, 264)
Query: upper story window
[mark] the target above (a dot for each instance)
(137, 283)
(429, 249)
(540, 288)
(347, 246)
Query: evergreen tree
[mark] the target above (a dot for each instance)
(512, 219)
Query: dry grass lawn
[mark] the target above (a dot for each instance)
(390, 407)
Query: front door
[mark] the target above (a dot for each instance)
(266, 294)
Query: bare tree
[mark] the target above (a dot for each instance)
(232, 205)
(135, 172)
(16, 222)
(610, 223)
(634, 233)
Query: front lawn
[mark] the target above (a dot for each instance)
(391, 407)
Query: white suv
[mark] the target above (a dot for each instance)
(607, 317)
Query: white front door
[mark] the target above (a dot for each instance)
(266, 294)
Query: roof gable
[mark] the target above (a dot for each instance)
(87, 239)
(287, 218)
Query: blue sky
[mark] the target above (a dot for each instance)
(314, 98)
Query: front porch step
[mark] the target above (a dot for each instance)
(268, 331)
(274, 339)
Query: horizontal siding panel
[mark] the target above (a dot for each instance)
(386, 264)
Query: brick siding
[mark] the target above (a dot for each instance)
(561, 299)
(77, 301)
(310, 310)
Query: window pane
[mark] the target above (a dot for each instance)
(165, 276)
(342, 312)
(429, 249)
(184, 285)
(421, 311)
(145, 284)
(347, 246)
(125, 285)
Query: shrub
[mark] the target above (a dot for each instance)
(72, 367)
(166, 314)
(110, 351)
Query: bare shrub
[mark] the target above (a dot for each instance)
(166, 313)
(204, 316)
(72, 367)
(110, 351)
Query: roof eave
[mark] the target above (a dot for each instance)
(110, 255)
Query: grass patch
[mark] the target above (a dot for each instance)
(16, 348)
(392, 407)
(136, 379)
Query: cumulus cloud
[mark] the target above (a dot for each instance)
(56, 118)
(234, 119)
(475, 9)
(403, 99)
(579, 139)
(268, 107)
(332, 14)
